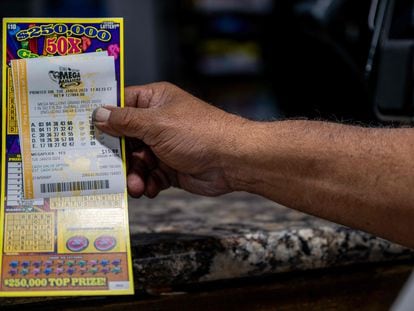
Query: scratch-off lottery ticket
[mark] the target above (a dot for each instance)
(64, 214)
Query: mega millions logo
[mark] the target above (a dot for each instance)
(66, 77)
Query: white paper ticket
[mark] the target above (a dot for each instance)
(62, 152)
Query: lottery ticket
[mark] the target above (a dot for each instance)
(62, 153)
(63, 204)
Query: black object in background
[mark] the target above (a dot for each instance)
(318, 60)
(392, 59)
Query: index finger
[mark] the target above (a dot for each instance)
(138, 96)
(149, 95)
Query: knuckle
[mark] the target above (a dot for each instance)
(165, 84)
(166, 87)
(126, 118)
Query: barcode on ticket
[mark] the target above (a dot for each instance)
(74, 186)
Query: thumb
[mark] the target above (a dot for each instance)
(128, 121)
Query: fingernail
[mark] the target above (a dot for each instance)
(101, 114)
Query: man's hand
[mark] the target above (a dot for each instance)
(359, 177)
(174, 139)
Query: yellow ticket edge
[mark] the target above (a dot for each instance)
(3, 144)
(129, 291)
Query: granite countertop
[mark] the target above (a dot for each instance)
(179, 238)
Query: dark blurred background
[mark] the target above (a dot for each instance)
(342, 60)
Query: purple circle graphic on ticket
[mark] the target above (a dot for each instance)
(105, 243)
(77, 243)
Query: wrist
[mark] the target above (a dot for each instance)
(244, 156)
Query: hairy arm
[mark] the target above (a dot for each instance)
(359, 177)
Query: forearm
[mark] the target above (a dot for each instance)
(359, 177)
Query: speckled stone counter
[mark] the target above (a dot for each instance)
(180, 238)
